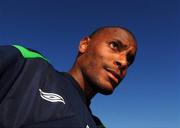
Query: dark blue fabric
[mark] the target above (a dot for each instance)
(21, 104)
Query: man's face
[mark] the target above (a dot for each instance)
(106, 59)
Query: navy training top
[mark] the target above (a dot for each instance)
(34, 95)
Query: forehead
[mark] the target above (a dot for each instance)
(116, 34)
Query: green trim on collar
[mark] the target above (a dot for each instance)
(28, 54)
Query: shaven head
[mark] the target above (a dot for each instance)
(101, 29)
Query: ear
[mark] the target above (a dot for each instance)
(84, 44)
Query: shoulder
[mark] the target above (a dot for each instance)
(28, 53)
(12, 52)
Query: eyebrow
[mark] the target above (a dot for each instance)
(121, 43)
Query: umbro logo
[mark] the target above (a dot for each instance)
(52, 97)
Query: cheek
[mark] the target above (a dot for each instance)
(97, 59)
(94, 65)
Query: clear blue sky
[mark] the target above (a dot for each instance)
(149, 97)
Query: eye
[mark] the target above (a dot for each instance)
(114, 45)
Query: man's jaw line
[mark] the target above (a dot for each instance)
(78, 76)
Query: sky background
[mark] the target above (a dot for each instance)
(149, 97)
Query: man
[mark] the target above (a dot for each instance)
(33, 94)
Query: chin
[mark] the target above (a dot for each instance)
(106, 90)
(103, 86)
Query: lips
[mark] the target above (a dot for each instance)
(114, 75)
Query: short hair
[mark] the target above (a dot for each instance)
(105, 27)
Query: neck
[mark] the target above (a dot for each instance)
(76, 73)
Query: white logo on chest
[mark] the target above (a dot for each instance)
(52, 97)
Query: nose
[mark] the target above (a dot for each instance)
(121, 62)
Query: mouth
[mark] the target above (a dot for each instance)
(114, 75)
